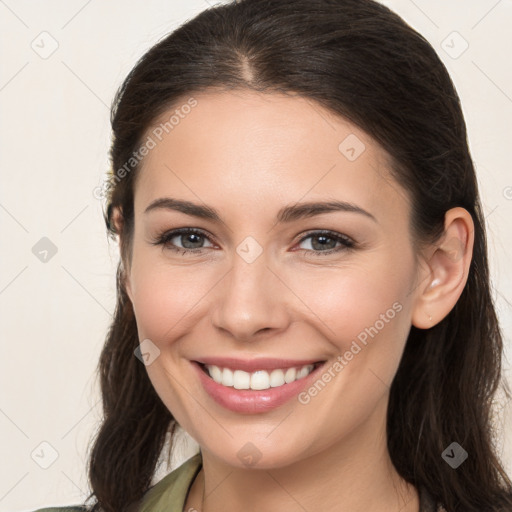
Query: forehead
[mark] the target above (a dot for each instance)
(251, 149)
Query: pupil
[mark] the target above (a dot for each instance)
(322, 244)
(189, 236)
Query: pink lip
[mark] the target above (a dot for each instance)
(250, 401)
(252, 365)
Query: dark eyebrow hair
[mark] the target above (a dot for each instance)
(287, 214)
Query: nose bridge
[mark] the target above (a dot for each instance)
(249, 299)
(249, 270)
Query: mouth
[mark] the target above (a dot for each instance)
(258, 380)
(264, 385)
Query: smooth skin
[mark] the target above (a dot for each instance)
(248, 155)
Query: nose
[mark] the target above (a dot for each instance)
(252, 299)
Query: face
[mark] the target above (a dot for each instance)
(335, 286)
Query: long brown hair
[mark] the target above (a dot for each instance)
(363, 62)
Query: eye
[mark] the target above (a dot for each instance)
(191, 239)
(326, 242)
(322, 242)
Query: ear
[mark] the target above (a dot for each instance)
(118, 224)
(446, 271)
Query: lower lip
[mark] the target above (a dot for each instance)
(252, 401)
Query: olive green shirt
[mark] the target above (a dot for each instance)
(167, 495)
(170, 493)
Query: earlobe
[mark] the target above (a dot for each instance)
(447, 270)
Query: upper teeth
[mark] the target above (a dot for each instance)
(260, 379)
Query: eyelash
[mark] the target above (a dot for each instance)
(165, 238)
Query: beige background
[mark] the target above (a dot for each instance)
(55, 135)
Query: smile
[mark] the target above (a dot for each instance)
(255, 390)
(258, 380)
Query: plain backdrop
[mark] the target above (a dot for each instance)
(62, 62)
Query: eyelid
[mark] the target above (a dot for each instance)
(162, 237)
(326, 232)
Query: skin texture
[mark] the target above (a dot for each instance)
(247, 155)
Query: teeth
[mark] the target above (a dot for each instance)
(290, 375)
(258, 380)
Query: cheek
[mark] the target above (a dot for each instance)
(163, 295)
(162, 301)
(355, 303)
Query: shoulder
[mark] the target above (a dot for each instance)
(170, 492)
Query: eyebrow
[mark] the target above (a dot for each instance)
(286, 214)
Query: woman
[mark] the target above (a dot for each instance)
(303, 284)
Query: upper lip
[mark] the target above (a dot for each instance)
(252, 365)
